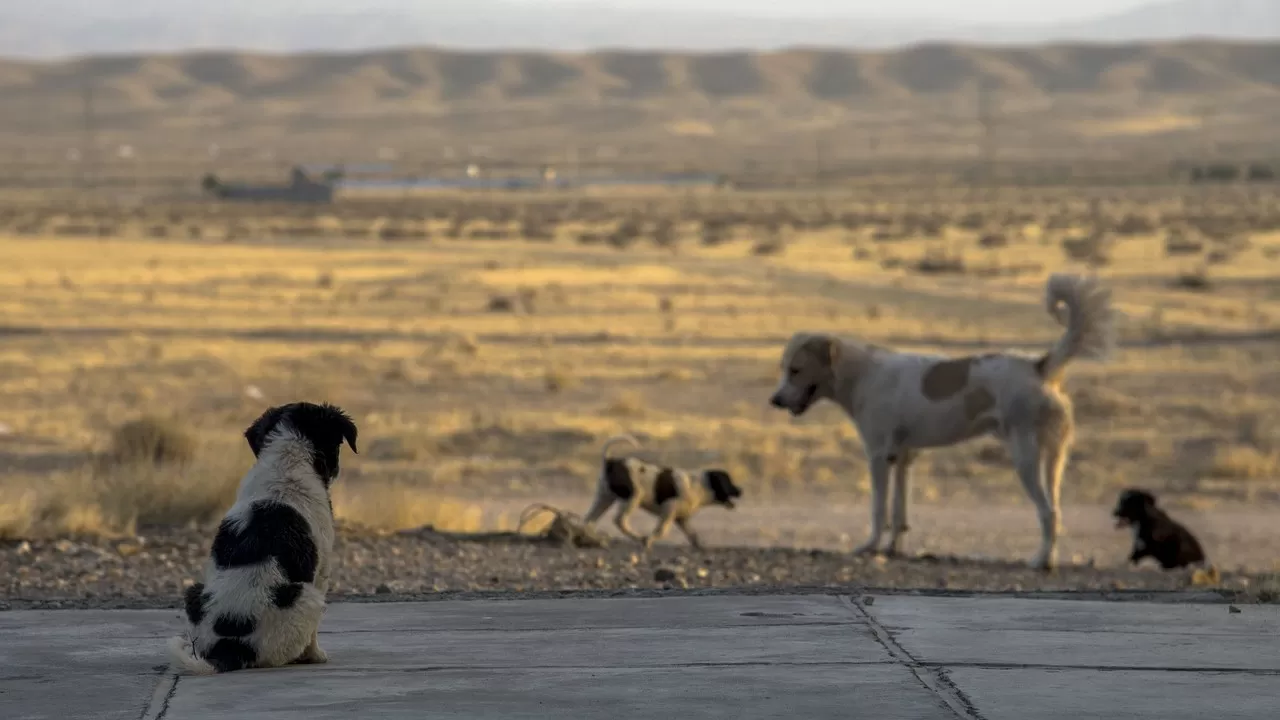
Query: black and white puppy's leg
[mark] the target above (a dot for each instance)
(683, 524)
(665, 520)
(604, 500)
(879, 502)
(898, 525)
(622, 519)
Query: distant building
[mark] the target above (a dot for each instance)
(301, 189)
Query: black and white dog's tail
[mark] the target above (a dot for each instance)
(183, 655)
(604, 451)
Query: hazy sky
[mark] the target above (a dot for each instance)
(982, 11)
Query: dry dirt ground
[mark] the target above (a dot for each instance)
(484, 374)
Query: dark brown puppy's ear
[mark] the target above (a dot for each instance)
(256, 434)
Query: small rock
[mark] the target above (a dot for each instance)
(253, 392)
(187, 582)
(676, 583)
(24, 548)
(663, 575)
(600, 562)
(702, 572)
(868, 600)
(383, 589)
(128, 549)
(64, 546)
(1233, 609)
(1206, 577)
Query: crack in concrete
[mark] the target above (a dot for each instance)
(589, 629)
(596, 668)
(158, 707)
(933, 677)
(1261, 672)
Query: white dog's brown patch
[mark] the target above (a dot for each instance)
(946, 379)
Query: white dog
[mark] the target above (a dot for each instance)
(903, 402)
(268, 571)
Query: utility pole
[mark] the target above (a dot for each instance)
(819, 170)
(987, 111)
(88, 155)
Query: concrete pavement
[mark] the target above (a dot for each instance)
(802, 656)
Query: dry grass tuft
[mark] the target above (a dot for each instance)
(150, 441)
(1243, 462)
(626, 404)
(393, 506)
(114, 500)
(1196, 280)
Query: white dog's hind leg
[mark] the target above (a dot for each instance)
(898, 525)
(1025, 452)
(879, 503)
(1055, 461)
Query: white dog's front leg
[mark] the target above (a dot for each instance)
(879, 503)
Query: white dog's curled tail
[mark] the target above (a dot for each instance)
(183, 656)
(1082, 305)
(604, 451)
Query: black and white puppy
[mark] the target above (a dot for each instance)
(268, 571)
(672, 494)
(1155, 534)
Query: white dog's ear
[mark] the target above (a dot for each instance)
(825, 348)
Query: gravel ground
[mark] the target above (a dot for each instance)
(151, 571)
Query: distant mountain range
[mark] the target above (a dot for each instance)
(53, 28)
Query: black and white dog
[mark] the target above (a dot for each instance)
(670, 493)
(1155, 534)
(268, 571)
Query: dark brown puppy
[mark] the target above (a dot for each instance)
(1155, 534)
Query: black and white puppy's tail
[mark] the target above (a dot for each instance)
(604, 451)
(183, 655)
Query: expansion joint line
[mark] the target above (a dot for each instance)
(935, 679)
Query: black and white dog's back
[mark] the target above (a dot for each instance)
(268, 570)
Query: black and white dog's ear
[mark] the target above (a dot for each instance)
(722, 486)
(325, 425)
(349, 431)
(257, 433)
